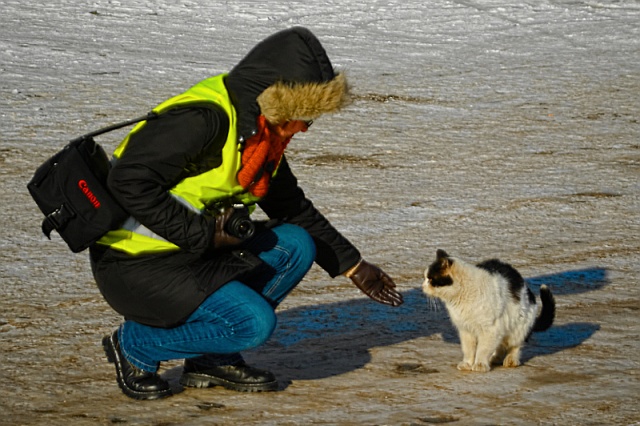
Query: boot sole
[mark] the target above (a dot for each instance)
(112, 356)
(194, 380)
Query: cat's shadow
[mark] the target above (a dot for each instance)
(324, 340)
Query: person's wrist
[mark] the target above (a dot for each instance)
(353, 269)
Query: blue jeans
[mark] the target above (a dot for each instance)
(236, 317)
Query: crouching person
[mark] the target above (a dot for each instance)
(192, 276)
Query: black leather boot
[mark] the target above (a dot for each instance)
(239, 377)
(135, 383)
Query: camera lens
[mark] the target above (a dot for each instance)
(242, 228)
(239, 224)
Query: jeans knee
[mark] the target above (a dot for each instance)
(298, 243)
(259, 328)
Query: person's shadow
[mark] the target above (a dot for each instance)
(324, 340)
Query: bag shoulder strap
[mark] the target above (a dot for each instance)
(149, 116)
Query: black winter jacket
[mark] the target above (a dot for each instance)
(188, 141)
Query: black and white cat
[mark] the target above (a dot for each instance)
(491, 307)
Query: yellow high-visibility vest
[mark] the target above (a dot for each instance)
(195, 192)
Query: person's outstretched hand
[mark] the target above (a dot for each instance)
(375, 283)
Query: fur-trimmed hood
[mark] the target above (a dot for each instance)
(302, 101)
(287, 76)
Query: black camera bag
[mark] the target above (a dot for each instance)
(70, 188)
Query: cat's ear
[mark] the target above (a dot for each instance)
(443, 258)
(441, 254)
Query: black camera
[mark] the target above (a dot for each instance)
(239, 223)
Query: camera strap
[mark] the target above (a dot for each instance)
(149, 116)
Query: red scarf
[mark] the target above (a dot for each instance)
(260, 157)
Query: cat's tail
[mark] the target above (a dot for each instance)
(548, 311)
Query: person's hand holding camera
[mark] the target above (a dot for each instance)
(375, 283)
(221, 236)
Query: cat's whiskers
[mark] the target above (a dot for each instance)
(434, 304)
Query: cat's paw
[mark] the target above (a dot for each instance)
(464, 366)
(480, 367)
(511, 361)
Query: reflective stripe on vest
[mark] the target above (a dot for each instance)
(198, 191)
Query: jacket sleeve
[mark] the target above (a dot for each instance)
(286, 200)
(156, 158)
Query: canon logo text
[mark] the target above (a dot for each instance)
(84, 187)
